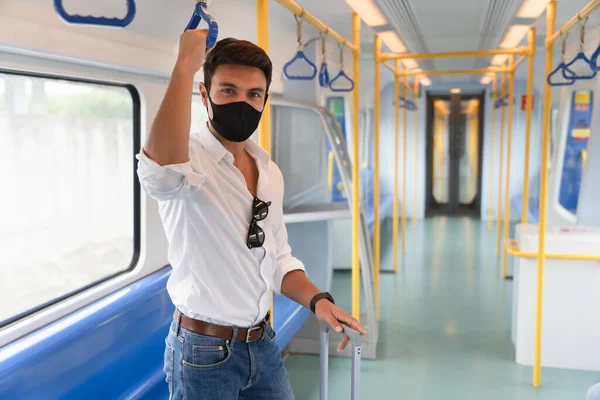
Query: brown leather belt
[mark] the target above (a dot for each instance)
(222, 332)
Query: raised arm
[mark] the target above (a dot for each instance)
(168, 140)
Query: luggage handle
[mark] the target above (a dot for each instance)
(355, 340)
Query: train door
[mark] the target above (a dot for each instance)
(454, 147)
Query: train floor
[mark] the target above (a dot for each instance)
(445, 327)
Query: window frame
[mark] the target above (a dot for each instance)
(137, 208)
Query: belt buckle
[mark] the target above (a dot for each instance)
(249, 332)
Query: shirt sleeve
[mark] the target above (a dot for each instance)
(285, 261)
(166, 182)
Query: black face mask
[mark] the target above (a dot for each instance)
(235, 122)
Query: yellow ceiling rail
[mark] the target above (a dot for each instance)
(454, 72)
(311, 20)
(573, 22)
(456, 54)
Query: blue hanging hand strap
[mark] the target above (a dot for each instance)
(323, 72)
(567, 71)
(579, 57)
(324, 75)
(200, 13)
(401, 102)
(100, 21)
(300, 56)
(342, 76)
(572, 75)
(561, 69)
(409, 105)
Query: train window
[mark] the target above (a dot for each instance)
(70, 199)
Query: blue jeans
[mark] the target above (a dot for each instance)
(199, 367)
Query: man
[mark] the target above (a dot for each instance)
(220, 202)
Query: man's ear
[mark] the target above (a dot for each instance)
(204, 94)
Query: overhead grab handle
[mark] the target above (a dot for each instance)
(99, 21)
(561, 69)
(300, 56)
(200, 13)
(341, 76)
(579, 57)
(323, 72)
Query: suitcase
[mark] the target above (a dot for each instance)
(355, 340)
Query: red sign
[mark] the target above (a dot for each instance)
(524, 102)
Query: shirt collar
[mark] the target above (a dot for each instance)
(216, 151)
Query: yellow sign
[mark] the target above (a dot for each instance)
(582, 98)
(580, 133)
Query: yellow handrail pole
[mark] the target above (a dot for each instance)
(492, 144)
(529, 110)
(456, 54)
(455, 71)
(264, 129)
(499, 217)
(355, 169)
(537, 359)
(311, 20)
(396, 151)
(404, 130)
(573, 22)
(376, 230)
(415, 149)
(511, 93)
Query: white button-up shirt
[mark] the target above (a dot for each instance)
(206, 211)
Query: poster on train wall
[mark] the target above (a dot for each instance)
(336, 105)
(580, 120)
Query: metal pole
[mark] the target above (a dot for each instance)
(356, 171)
(264, 129)
(511, 93)
(396, 151)
(499, 218)
(404, 124)
(377, 228)
(415, 150)
(537, 368)
(529, 108)
(492, 145)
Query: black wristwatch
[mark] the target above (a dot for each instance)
(320, 296)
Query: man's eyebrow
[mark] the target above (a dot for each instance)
(231, 85)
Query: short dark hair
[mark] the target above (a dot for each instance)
(237, 52)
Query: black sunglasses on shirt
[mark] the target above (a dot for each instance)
(256, 236)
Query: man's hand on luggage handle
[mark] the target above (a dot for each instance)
(332, 315)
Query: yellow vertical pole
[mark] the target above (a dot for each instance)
(415, 149)
(262, 38)
(499, 218)
(376, 233)
(511, 93)
(537, 360)
(492, 144)
(404, 124)
(264, 129)
(529, 110)
(396, 151)
(355, 170)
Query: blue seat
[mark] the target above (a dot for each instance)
(288, 319)
(386, 201)
(516, 202)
